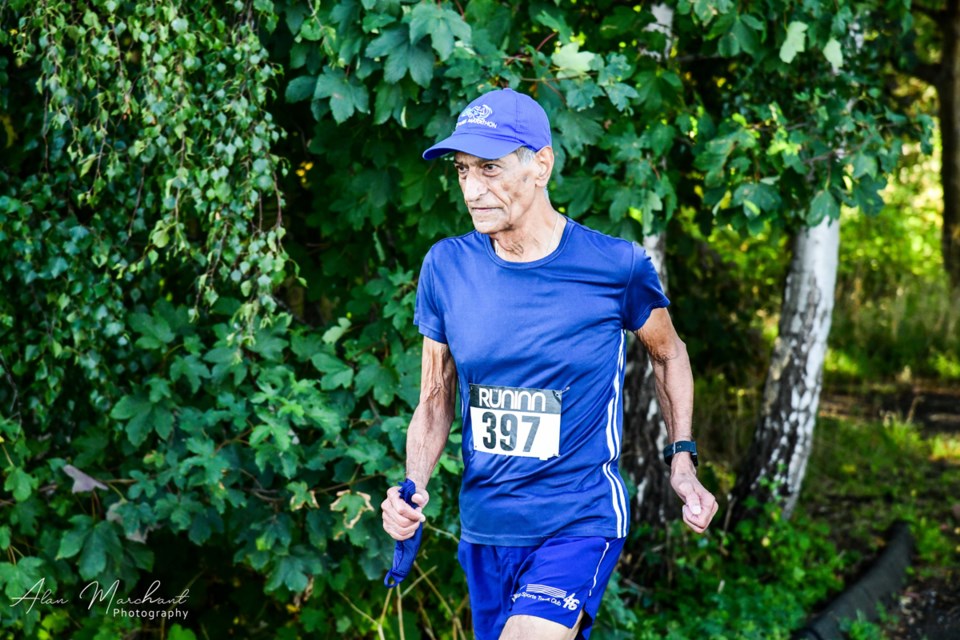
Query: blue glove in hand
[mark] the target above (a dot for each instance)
(406, 551)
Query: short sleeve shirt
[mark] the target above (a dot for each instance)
(540, 354)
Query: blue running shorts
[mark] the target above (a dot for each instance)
(555, 580)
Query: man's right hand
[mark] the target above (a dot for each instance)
(401, 520)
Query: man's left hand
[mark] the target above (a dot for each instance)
(699, 505)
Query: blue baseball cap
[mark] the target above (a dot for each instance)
(494, 125)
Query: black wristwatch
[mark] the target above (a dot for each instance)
(677, 447)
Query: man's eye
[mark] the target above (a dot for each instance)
(489, 167)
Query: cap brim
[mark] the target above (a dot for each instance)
(476, 145)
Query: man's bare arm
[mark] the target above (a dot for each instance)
(674, 384)
(674, 377)
(430, 426)
(426, 438)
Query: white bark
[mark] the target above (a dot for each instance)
(791, 397)
(646, 432)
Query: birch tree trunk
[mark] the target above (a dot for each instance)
(784, 436)
(645, 432)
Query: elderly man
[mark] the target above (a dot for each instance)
(526, 317)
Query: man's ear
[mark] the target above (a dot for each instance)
(544, 161)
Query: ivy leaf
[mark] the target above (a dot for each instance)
(795, 42)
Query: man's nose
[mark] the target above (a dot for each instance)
(473, 187)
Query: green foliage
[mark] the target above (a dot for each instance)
(883, 472)
(244, 414)
(894, 316)
(758, 581)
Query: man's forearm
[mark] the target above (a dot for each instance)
(426, 440)
(674, 379)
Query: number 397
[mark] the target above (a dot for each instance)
(508, 431)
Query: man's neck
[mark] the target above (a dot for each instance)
(533, 241)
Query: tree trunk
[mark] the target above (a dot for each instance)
(949, 93)
(645, 432)
(784, 436)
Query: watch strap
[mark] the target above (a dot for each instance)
(678, 447)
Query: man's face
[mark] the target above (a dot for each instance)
(497, 192)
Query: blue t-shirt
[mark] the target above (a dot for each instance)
(539, 349)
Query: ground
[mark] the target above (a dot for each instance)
(929, 606)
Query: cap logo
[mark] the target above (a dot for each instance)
(476, 115)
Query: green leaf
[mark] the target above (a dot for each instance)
(381, 380)
(579, 192)
(571, 62)
(20, 483)
(302, 88)
(72, 542)
(289, 572)
(190, 367)
(755, 198)
(388, 42)
(421, 63)
(155, 330)
(864, 165)
(622, 199)
(443, 25)
(102, 543)
(795, 42)
(823, 205)
(346, 95)
(335, 372)
(661, 138)
(833, 54)
(331, 335)
(620, 95)
(179, 633)
(745, 35)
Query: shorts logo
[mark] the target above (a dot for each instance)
(544, 593)
(477, 115)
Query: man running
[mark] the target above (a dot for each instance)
(526, 318)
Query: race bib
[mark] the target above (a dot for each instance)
(512, 421)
